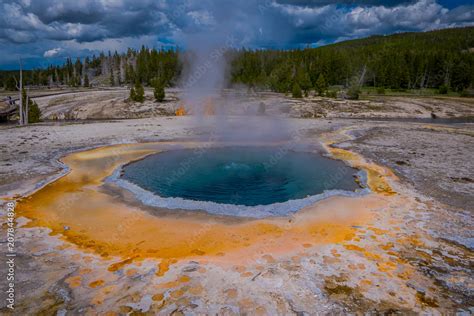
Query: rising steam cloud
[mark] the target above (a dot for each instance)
(206, 60)
(222, 26)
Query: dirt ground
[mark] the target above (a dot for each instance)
(413, 255)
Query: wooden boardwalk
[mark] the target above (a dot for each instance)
(7, 108)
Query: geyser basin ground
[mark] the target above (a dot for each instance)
(342, 255)
(259, 181)
(110, 225)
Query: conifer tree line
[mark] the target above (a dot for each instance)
(144, 65)
(442, 59)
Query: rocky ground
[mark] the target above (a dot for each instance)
(414, 255)
(113, 103)
(426, 156)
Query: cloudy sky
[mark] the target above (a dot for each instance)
(47, 31)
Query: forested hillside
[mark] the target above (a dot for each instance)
(401, 61)
(443, 58)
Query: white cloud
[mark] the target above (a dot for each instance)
(418, 16)
(52, 52)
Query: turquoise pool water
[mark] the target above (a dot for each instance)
(248, 176)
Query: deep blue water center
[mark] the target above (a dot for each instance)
(239, 175)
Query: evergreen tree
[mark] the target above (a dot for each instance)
(34, 112)
(296, 91)
(133, 94)
(129, 74)
(353, 92)
(10, 84)
(140, 92)
(461, 77)
(86, 81)
(443, 89)
(262, 79)
(280, 78)
(321, 85)
(112, 79)
(303, 79)
(159, 90)
(78, 68)
(137, 93)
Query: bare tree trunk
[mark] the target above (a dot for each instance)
(362, 76)
(27, 106)
(21, 95)
(84, 73)
(122, 70)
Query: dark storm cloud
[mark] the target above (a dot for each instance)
(84, 11)
(83, 21)
(313, 3)
(73, 27)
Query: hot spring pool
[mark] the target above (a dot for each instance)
(255, 180)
